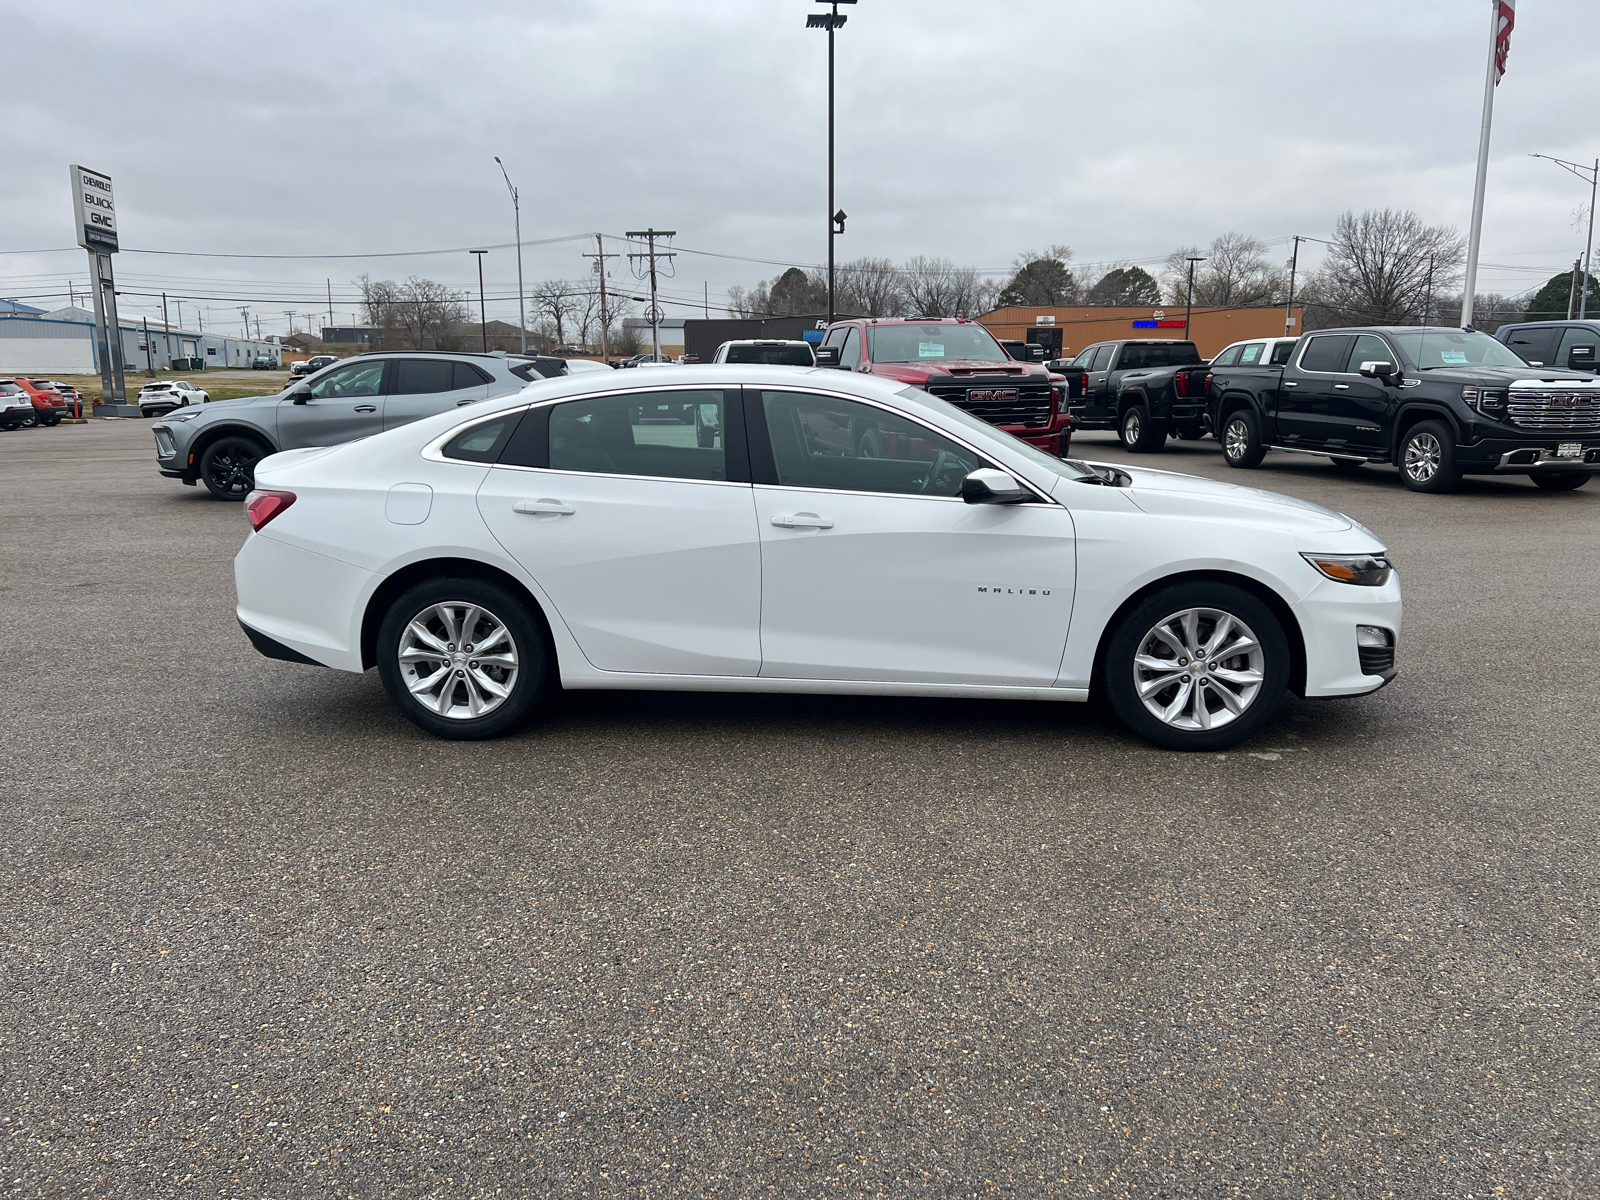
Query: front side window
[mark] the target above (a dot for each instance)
(1250, 355)
(828, 442)
(421, 376)
(1368, 348)
(850, 356)
(1102, 358)
(1535, 344)
(670, 435)
(1577, 336)
(1083, 360)
(358, 379)
(935, 343)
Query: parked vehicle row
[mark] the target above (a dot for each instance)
(45, 404)
(837, 533)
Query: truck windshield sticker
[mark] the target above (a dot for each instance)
(930, 349)
(1453, 357)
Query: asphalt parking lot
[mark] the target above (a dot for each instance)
(262, 937)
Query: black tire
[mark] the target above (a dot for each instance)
(1428, 458)
(1561, 481)
(1126, 641)
(527, 638)
(1140, 434)
(228, 466)
(29, 422)
(1241, 439)
(1348, 466)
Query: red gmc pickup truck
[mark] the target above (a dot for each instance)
(959, 361)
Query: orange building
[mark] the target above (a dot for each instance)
(1065, 331)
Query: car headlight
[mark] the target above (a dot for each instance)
(1363, 570)
(183, 416)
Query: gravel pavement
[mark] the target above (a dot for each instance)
(262, 937)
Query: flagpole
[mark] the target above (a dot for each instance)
(1483, 169)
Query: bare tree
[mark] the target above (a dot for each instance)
(1236, 273)
(553, 304)
(419, 314)
(869, 287)
(936, 287)
(1381, 267)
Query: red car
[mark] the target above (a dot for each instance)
(49, 405)
(959, 361)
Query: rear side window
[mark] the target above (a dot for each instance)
(483, 442)
(666, 435)
(466, 376)
(421, 376)
(1327, 353)
(1230, 356)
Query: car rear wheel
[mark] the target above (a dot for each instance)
(1428, 458)
(462, 658)
(1197, 666)
(228, 467)
(1241, 440)
(29, 421)
(1561, 481)
(1140, 434)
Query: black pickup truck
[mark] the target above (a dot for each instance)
(1437, 403)
(1144, 389)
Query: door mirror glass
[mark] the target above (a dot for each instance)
(1377, 369)
(988, 485)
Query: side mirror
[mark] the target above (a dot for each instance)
(1580, 358)
(986, 485)
(300, 393)
(827, 356)
(1373, 369)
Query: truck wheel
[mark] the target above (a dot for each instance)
(1139, 433)
(1561, 481)
(1241, 440)
(1428, 458)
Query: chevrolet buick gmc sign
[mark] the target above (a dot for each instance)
(94, 210)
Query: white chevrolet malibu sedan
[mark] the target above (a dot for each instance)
(777, 529)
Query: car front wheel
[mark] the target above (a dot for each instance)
(1428, 458)
(1197, 666)
(462, 658)
(228, 467)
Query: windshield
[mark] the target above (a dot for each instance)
(1065, 468)
(1179, 354)
(1431, 349)
(782, 356)
(920, 343)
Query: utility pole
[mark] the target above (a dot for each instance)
(831, 21)
(600, 257)
(149, 356)
(166, 328)
(330, 303)
(706, 297)
(1427, 302)
(652, 254)
(1188, 331)
(516, 215)
(291, 314)
(245, 313)
(179, 303)
(1572, 292)
(1288, 309)
(483, 318)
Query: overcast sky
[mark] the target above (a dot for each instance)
(968, 130)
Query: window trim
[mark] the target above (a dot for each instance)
(764, 467)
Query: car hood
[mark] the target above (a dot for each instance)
(1169, 493)
(1503, 376)
(919, 372)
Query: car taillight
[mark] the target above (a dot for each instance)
(1181, 383)
(262, 507)
(1208, 383)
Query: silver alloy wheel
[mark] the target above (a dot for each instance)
(458, 660)
(1423, 456)
(1236, 439)
(1200, 668)
(1131, 427)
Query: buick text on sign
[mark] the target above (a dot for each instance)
(94, 209)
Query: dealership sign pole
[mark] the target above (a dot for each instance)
(1502, 16)
(95, 214)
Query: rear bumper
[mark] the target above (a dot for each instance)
(302, 601)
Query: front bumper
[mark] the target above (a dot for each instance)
(1055, 438)
(1329, 615)
(1540, 458)
(1524, 454)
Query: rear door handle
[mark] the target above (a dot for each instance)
(1290, 383)
(543, 508)
(802, 521)
(366, 408)
(1341, 387)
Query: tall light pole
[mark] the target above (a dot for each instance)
(830, 21)
(483, 316)
(1590, 175)
(516, 215)
(1188, 305)
(1288, 308)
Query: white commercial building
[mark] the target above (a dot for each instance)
(62, 343)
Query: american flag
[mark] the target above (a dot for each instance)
(1502, 38)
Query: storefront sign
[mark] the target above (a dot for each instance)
(1160, 324)
(94, 210)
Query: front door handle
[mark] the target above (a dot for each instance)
(366, 408)
(543, 508)
(1290, 383)
(1341, 387)
(802, 521)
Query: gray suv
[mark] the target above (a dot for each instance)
(219, 444)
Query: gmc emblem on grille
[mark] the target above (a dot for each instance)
(978, 394)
